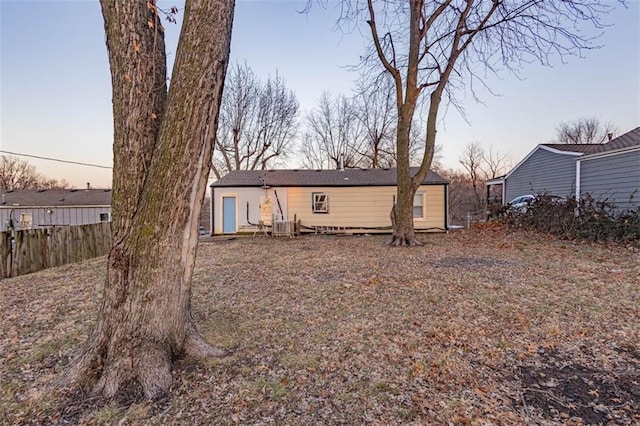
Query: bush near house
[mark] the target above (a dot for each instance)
(597, 220)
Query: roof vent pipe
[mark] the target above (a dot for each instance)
(88, 185)
(342, 162)
(610, 135)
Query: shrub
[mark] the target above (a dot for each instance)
(587, 219)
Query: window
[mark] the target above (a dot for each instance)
(26, 220)
(104, 217)
(320, 202)
(418, 205)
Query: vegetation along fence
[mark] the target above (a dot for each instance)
(32, 250)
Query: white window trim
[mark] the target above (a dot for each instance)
(314, 202)
(26, 220)
(422, 196)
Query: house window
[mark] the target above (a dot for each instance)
(320, 202)
(26, 220)
(418, 205)
(104, 217)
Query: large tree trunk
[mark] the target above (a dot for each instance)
(402, 213)
(162, 156)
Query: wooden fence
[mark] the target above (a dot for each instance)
(32, 250)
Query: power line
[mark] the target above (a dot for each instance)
(56, 159)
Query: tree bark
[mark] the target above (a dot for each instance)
(403, 229)
(162, 156)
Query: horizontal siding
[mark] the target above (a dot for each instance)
(543, 172)
(59, 216)
(615, 178)
(243, 196)
(353, 207)
(367, 207)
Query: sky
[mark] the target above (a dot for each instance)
(55, 88)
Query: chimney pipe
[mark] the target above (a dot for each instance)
(88, 185)
(610, 135)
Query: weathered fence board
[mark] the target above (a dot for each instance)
(31, 250)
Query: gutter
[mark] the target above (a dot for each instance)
(446, 207)
(213, 212)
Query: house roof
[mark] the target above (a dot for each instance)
(295, 177)
(630, 139)
(580, 151)
(579, 147)
(55, 197)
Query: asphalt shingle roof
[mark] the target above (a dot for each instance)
(55, 197)
(627, 140)
(578, 147)
(295, 177)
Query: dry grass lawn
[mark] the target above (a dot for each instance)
(482, 326)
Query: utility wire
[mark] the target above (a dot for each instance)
(56, 159)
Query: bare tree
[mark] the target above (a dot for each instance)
(481, 165)
(163, 144)
(584, 131)
(495, 163)
(19, 174)
(472, 159)
(376, 113)
(430, 49)
(460, 194)
(258, 122)
(334, 136)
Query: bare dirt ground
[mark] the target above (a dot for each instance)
(482, 326)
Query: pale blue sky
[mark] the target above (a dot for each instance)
(55, 95)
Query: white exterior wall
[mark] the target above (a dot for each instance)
(243, 196)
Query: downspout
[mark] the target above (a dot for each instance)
(446, 207)
(213, 212)
(577, 180)
(577, 212)
(504, 191)
(279, 206)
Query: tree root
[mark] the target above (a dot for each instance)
(198, 348)
(405, 241)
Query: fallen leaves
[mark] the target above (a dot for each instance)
(348, 331)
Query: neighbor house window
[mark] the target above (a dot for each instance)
(320, 202)
(26, 220)
(104, 217)
(418, 205)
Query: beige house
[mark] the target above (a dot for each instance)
(351, 200)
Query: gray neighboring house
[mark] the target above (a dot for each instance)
(38, 208)
(611, 171)
(608, 171)
(549, 168)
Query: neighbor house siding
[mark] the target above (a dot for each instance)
(543, 172)
(615, 178)
(53, 216)
(367, 207)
